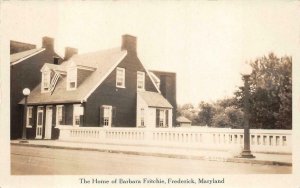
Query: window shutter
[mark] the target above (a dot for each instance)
(34, 116)
(63, 115)
(114, 116)
(167, 118)
(101, 115)
(81, 120)
(157, 117)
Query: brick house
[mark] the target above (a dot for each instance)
(108, 88)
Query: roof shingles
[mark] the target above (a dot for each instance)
(154, 99)
(103, 61)
(22, 55)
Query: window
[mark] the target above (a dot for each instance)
(60, 114)
(142, 117)
(106, 115)
(46, 81)
(120, 77)
(29, 120)
(161, 118)
(72, 78)
(77, 115)
(140, 80)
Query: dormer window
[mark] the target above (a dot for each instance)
(120, 77)
(72, 78)
(140, 80)
(46, 81)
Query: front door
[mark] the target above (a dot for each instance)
(39, 124)
(48, 122)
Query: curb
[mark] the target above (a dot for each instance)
(178, 156)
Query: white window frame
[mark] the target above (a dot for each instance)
(162, 117)
(72, 77)
(74, 115)
(29, 115)
(107, 115)
(46, 77)
(120, 76)
(57, 113)
(140, 78)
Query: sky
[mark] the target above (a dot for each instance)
(205, 42)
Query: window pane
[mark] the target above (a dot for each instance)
(120, 77)
(140, 80)
(46, 80)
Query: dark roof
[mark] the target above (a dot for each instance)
(104, 63)
(154, 99)
(16, 46)
(182, 119)
(24, 55)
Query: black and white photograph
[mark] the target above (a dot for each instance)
(149, 93)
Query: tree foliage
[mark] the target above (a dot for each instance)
(270, 93)
(188, 111)
(206, 114)
(270, 99)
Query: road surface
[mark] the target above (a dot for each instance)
(48, 161)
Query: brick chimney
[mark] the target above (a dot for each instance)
(129, 43)
(48, 43)
(69, 52)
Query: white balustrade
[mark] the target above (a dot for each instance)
(261, 140)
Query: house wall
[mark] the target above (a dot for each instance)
(170, 117)
(151, 118)
(141, 104)
(31, 132)
(124, 99)
(168, 89)
(25, 74)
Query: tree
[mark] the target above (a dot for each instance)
(270, 93)
(235, 115)
(188, 111)
(221, 120)
(206, 113)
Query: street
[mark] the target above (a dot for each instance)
(48, 161)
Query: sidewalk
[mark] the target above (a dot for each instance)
(260, 158)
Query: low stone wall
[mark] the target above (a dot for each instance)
(226, 139)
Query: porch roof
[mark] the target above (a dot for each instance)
(154, 99)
